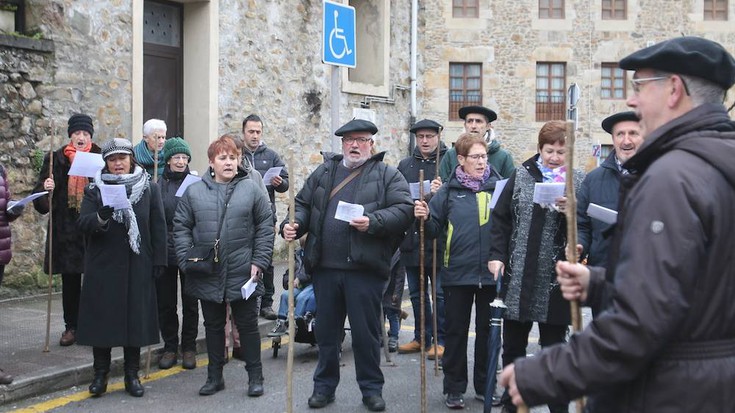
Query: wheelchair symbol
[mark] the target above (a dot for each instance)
(338, 34)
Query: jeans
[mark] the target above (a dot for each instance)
(394, 321)
(412, 275)
(304, 302)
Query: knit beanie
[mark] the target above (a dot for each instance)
(79, 122)
(174, 146)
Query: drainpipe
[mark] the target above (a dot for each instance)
(414, 40)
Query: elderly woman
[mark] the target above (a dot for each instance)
(118, 303)
(460, 212)
(229, 211)
(177, 154)
(527, 239)
(150, 148)
(65, 241)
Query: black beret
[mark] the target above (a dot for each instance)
(693, 56)
(609, 123)
(482, 110)
(79, 122)
(357, 125)
(426, 124)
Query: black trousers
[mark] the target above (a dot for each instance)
(71, 291)
(270, 288)
(168, 319)
(245, 314)
(2, 273)
(457, 312)
(515, 342)
(357, 295)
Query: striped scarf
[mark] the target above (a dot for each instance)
(75, 184)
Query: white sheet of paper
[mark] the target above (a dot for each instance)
(86, 164)
(496, 193)
(270, 173)
(414, 186)
(29, 198)
(606, 215)
(114, 196)
(546, 193)
(346, 211)
(190, 179)
(248, 289)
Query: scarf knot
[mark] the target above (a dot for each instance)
(472, 182)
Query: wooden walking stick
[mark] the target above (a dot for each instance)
(155, 180)
(50, 236)
(291, 277)
(571, 214)
(422, 291)
(434, 323)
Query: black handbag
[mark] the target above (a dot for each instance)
(203, 260)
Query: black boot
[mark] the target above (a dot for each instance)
(215, 381)
(255, 383)
(101, 367)
(132, 366)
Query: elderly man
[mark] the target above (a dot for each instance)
(428, 146)
(263, 158)
(150, 149)
(479, 119)
(349, 253)
(668, 327)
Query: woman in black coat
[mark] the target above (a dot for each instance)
(118, 305)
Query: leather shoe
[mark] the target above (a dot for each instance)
(133, 386)
(319, 400)
(168, 360)
(412, 346)
(68, 337)
(99, 384)
(189, 360)
(5, 378)
(435, 351)
(374, 403)
(268, 313)
(255, 389)
(212, 386)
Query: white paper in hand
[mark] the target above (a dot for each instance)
(86, 164)
(347, 212)
(26, 200)
(190, 179)
(414, 186)
(114, 196)
(248, 289)
(270, 174)
(606, 215)
(499, 185)
(546, 193)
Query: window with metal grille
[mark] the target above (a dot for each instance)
(551, 84)
(715, 9)
(465, 8)
(550, 9)
(614, 9)
(465, 86)
(612, 82)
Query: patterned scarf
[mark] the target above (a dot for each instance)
(76, 184)
(145, 157)
(552, 175)
(136, 184)
(471, 182)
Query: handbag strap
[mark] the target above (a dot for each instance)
(344, 182)
(219, 227)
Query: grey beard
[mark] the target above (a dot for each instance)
(352, 165)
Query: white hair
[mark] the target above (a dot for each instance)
(153, 125)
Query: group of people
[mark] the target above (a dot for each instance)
(659, 278)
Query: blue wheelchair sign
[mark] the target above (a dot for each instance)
(338, 35)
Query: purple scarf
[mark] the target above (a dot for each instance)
(469, 181)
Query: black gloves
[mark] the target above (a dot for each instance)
(105, 212)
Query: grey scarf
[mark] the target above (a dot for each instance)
(136, 184)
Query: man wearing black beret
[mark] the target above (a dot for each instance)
(349, 256)
(479, 119)
(665, 342)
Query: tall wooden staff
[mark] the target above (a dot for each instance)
(422, 291)
(433, 278)
(571, 213)
(54, 131)
(155, 180)
(291, 277)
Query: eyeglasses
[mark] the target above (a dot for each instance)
(425, 137)
(477, 156)
(637, 83)
(358, 140)
(180, 158)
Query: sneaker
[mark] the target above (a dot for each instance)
(268, 313)
(392, 344)
(455, 401)
(167, 360)
(280, 329)
(411, 347)
(68, 337)
(436, 351)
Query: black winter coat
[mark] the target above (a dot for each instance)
(263, 159)
(169, 183)
(246, 237)
(118, 301)
(384, 194)
(68, 244)
(667, 337)
(410, 168)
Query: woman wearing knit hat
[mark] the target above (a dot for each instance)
(177, 155)
(66, 243)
